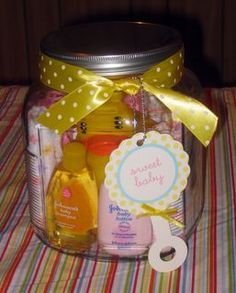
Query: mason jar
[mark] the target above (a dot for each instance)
(101, 68)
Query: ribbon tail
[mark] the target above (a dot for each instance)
(172, 220)
(75, 106)
(164, 216)
(193, 114)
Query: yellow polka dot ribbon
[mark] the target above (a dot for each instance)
(166, 214)
(86, 91)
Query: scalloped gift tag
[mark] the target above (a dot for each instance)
(147, 177)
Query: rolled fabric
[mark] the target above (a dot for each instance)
(45, 144)
(34, 167)
(47, 152)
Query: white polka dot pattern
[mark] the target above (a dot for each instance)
(87, 91)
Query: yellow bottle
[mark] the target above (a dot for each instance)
(72, 202)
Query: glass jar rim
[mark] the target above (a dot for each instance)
(113, 48)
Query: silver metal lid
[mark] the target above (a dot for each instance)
(113, 48)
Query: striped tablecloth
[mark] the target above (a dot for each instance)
(27, 265)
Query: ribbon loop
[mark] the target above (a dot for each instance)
(130, 86)
(86, 91)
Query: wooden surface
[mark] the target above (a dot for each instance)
(207, 28)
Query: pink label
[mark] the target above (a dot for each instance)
(66, 192)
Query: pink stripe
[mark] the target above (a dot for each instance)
(234, 99)
(136, 276)
(178, 280)
(213, 215)
(52, 273)
(18, 256)
(7, 156)
(231, 161)
(111, 277)
(9, 99)
(69, 275)
(9, 126)
(12, 170)
(37, 268)
(12, 231)
(91, 277)
(213, 222)
(15, 203)
(77, 274)
(194, 262)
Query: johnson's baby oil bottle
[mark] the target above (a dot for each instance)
(72, 201)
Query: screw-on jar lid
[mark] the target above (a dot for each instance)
(112, 48)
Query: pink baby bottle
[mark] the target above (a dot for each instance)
(119, 232)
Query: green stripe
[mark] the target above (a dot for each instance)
(73, 274)
(64, 260)
(226, 153)
(160, 283)
(6, 209)
(175, 275)
(129, 277)
(145, 268)
(44, 265)
(31, 266)
(15, 136)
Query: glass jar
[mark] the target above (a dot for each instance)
(69, 205)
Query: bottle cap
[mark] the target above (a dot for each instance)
(103, 145)
(74, 156)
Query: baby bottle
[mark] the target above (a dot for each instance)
(72, 201)
(99, 148)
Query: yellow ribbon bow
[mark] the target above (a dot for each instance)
(166, 214)
(86, 91)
